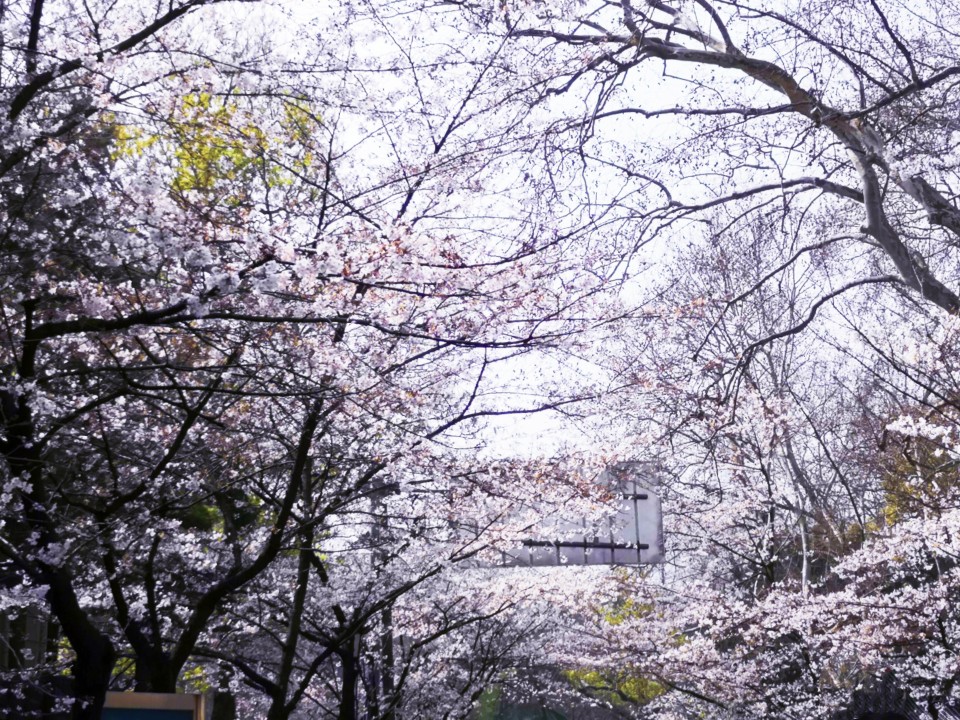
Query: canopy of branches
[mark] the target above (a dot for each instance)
(307, 313)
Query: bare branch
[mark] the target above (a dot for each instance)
(812, 314)
(896, 41)
(41, 81)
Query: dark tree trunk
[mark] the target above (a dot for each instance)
(348, 696)
(155, 672)
(91, 672)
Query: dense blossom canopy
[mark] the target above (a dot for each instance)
(281, 287)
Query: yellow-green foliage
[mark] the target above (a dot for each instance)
(630, 609)
(218, 152)
(202, 517)
(617, 688)
(626, 610)
(920, 476)
(620, 686)
(488, 704)
(125, 668)
(65, 655)
(195, 680)
(209, 148)
(128, 140)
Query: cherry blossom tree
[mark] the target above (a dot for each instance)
(262, 291)
(252, 291)
(786, 170)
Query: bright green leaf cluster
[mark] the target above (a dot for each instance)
(218, 154)
(617, 688)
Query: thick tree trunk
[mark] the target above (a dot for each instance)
(95, 655)
(155, 672)
(387, 657)
(92, 669)
(348, 695)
